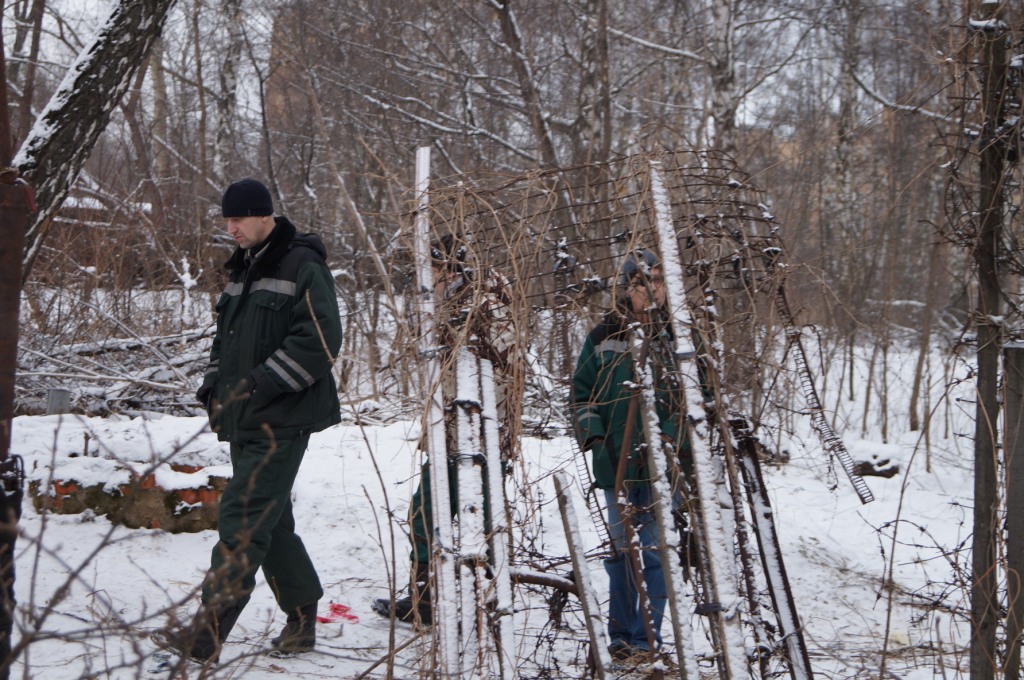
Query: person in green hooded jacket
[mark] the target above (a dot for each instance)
(267, 387)
(603, 389)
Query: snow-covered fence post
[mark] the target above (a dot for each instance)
(585, 589)
(500, 530)
(719, 574)
(443, 567)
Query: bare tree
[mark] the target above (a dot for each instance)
(52, 156)
(984, 592)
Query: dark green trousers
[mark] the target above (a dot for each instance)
(257, 529)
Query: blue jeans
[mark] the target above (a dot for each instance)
(625, 618)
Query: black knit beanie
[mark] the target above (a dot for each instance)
(246, 198)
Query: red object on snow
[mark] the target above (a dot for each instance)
(338, 612)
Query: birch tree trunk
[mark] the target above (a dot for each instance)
(228, 76)
(848, 223)
(594, 116)
(725, 97)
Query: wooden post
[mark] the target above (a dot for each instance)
(15, 205)
(13, 222)
(1013, 454)
(985, 609)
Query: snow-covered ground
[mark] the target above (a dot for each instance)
(90, 592)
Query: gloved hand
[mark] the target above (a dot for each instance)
(256, 377)
(261, 383)
(204, 393)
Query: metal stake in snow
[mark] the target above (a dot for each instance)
(790, 629)
(584, 587)
(721, 585)
(499, 537)
(666, 479)
(442, 564)
(737, 446)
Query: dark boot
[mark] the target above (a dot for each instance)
(415, 604)
(211, 636)
(408, 608)
(299, 634)
(203, 639)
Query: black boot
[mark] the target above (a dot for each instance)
(203, 639)
(408, 608)
(414, 605)
(212, 636)
(299, 634)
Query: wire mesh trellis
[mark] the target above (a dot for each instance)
(560, 243)
(559, 237)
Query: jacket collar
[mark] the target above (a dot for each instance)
(616, 323)
(264, 257)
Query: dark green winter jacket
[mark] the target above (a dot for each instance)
(278, 332)
(601, 396)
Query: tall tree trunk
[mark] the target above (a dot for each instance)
(51, 158)
(740, 369)
(848, 208)
(527, 83)
(139, 127)
(927, 319)
(204, 170)
(15, 204)
(28, 84)
(593, 126)
(21, 10)
(593, 120)
(984, 595)
(161, 114)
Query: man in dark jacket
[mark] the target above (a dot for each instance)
(603, 391)
(268, 386)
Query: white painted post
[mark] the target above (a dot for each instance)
(445, 630)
